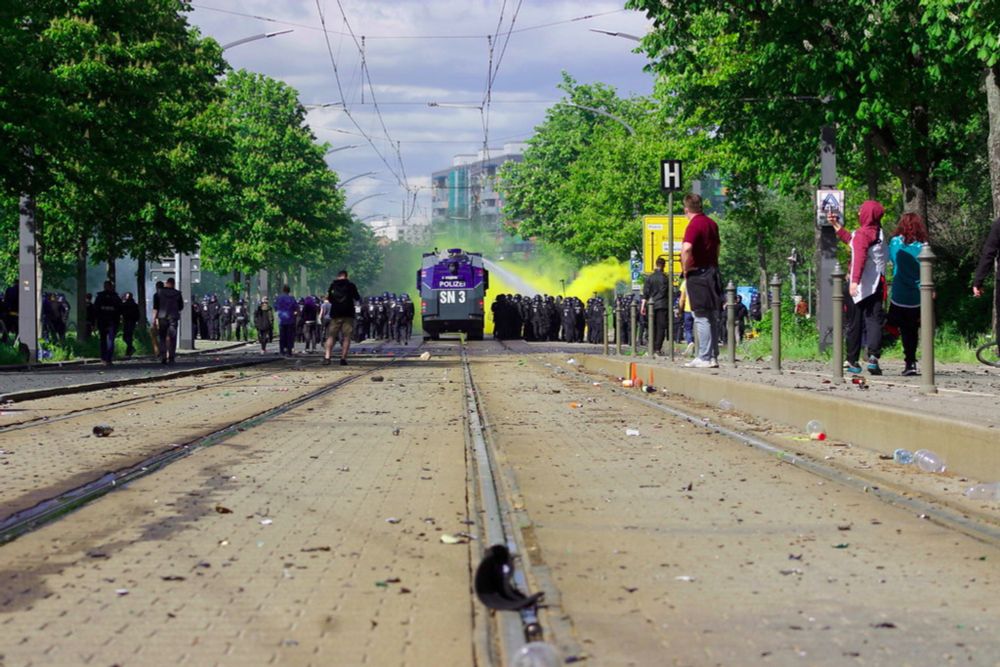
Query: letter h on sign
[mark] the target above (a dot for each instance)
(670, 175)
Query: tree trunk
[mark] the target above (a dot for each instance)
(993, 143)
(81, 287)
(762, 267)
(237, 286)
(112, 271)
(916, 188)
(871, 169)
(140, 290)
(993, 154)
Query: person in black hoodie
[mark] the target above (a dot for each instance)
(130, 319)
(987, 264)
(109, 311)
(342, 294)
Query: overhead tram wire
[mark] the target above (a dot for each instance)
(366, 77)
(307, 26)
(347, 111)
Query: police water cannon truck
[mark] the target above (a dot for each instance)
(453, 288)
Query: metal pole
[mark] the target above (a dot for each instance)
(30, 284)
(670, 281)
(837, 360)
(649, 330)
(618, 328)
(604, 330)
(809, 290)
(826, 240)
(926, 258)
(776, 323)
(731, 321)
(634, 328)
(185, 337)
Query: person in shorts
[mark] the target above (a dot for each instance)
(342, 295)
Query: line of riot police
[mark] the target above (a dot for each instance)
(546, 318)
(386, 317)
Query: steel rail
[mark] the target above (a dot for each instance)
(30, 519)
(954, 519)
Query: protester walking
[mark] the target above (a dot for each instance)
(867, 284)
(167, 306)
(987, 265)
(287, 309)
(108, 311)
(700, 258)
(130, 319)
(654, 295)
(342, 295)
(904, 298)
(263, 321)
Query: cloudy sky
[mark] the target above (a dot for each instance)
(420, 51)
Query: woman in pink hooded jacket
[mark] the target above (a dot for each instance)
(867, 284)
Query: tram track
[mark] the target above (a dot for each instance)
(505, 521)
(26, 520)
(978, 526)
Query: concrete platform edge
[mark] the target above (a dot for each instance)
(968, 449)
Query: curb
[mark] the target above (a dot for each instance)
(33, 394)
(88, 361)
(969, 449)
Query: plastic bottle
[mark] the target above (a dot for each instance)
(814, 426)
(904, 456)
(928, 461)
(983, 492)
(536, 654)
(725, 405)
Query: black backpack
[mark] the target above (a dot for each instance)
(340, 294)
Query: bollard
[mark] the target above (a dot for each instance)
(649, 330)
(776, 323)
(618, 329)
(633, 332)
(837, 360)
(731, 321)
(926, 259)
(606, 316)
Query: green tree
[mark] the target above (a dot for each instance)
(586, 179)
(284, 208)
(771, 72)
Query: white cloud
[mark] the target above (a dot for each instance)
(416, 71)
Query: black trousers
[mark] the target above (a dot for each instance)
(659, 328)
(869, 312)
(908, 321)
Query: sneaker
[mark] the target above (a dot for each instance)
(714, 363)
(698, 362)
(911, 370)
(343, 362)
(873, 366)
(326, 361)
(853, 367)
(689, 350)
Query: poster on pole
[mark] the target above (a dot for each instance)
(656, 240)
(828, 201)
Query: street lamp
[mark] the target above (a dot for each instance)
(623, 35)
(358, 201)
(602, 112)
(254, 38)
(340, 148)
(354, 178)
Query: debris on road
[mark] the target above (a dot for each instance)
(103, 430)
(223, 510)
(393, 520)
(631, 431)
(377, 378)
(266, 522)
(425, 356)
(447, 538)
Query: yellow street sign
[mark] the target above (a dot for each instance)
(656, 241)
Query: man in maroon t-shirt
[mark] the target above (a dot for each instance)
(700, 259)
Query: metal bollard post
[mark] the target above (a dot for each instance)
(618, 329)
(926, 259)
(649, 330)
(606, 316)
(776, 323)
(837, 360)
(633, 332)
(731, 321)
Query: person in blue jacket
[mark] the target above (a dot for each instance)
(904, 299)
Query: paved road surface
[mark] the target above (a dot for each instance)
(673, 547)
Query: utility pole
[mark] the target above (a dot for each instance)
(185, 338)
(826, 240)
(29, 279)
